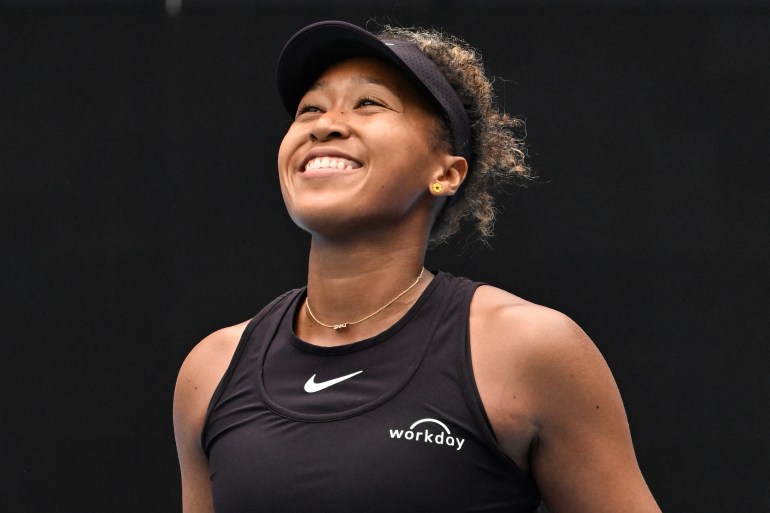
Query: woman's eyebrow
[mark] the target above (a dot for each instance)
(319, 85)
(367, 79)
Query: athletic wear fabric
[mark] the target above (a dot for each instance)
(389, 424)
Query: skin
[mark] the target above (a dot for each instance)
(549, 394)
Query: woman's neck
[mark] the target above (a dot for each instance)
(349, 281)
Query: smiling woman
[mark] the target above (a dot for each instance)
(395, 140)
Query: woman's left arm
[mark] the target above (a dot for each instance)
(555, 406)
(582, 459)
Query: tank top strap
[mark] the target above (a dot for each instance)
(272, 314)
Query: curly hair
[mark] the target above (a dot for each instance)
(497, 153)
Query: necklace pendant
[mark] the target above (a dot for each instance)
(338, 327)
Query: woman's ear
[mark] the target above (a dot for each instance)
(448, 179)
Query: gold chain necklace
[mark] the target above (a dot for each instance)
(346, 324)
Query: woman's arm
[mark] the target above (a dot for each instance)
(550, 391)
(583, 458)
(198, 378)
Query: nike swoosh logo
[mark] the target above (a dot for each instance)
(312, 387)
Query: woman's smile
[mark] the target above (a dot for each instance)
(323, 162)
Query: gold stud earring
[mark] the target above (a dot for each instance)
(437, 187)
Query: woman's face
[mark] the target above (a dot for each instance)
(362, 151)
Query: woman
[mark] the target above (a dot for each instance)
(381, 386)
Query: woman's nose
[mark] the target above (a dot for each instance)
(331, 125)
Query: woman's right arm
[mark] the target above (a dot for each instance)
(198, 378)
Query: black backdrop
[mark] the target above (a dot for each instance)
(140, 211)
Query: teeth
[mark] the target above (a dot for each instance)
(331, 163)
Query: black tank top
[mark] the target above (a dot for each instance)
(393, 423)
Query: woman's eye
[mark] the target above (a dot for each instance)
(365, 102)
(307, 108)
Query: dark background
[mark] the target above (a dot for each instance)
(141, 211)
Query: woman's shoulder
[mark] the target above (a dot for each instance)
(520, 335)
(202, 370)
(217, 349)
(218, 345)
(505, 314)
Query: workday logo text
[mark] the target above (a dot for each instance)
(429, 434)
